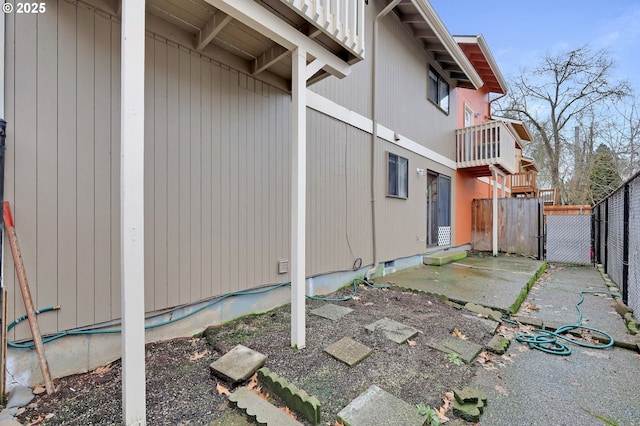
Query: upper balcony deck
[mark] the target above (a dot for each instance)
(483, 145)
(340, 20)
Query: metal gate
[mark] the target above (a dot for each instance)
(568, 238)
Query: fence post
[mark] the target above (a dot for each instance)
(606, 235)
(625, 247)
(593, 236)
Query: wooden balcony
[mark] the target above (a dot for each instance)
(550, 197)
(524, 184)
(483, 145)
(341, 20)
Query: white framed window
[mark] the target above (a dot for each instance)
(438, 90)
(397, 176)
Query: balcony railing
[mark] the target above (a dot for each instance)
(550, 197)
(524, 183)
(486, 144)
(342, 20)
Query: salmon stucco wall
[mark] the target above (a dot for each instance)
(468, 188)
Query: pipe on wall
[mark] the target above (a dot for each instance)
(374, 135)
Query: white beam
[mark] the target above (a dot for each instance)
(211, 29)
(132, 212)
(268, 58)
(298, 195)
(313, 68)
(257, 17)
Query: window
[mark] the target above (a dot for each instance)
(397, 176)
(438, 90)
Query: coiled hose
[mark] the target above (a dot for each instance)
(548, 341)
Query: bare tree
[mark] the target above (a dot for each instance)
(555, 96)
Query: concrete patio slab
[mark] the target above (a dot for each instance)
(348, 351)
(331, 311)
(493, 282)
(393, 330)
(377, 407)
(238, 364)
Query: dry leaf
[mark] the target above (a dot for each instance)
(198, 355)
(502, 390)
(355, 298)
(368, 304)
(506, 358)
(103, 369)
(288, 412)
(38, 389)
(222, 390)
(411, 342)
(441, 414)
(458, 334)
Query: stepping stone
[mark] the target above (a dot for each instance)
(466, 350)
(377, 407)
(348, 351)
(238, 364)
(489, 313)
(264, 412)
(19, 396)
(498, 344)
(490, 326)
(393, 330)
(535, 322)
(332, 312)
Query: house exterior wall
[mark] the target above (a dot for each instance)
(468, 187)
(217, 166)
(401, 74)
(216, 170)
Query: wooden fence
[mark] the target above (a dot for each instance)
(520, 226)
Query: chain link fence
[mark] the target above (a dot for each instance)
(569, 238)
(616, 239)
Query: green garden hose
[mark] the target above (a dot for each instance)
(48, 339)
(548, 341)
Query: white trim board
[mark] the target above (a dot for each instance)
(328, 107)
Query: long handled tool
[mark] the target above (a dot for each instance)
(26, 296)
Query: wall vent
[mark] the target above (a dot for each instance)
(283, 266)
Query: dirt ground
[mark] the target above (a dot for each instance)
(181, 390)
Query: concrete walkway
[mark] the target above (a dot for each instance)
(588, 387)
(493, 282)
(527, 386)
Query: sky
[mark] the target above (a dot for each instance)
(520, 32)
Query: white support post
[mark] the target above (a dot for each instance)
(298, 195)
(132, 212)
(494, 242)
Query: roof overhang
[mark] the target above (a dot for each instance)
(422, 21)
(476, 50)
(528, 164)
(520, 129)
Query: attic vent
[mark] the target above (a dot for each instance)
(283, 266)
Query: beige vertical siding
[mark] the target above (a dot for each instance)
(339, 197)
(401, 89)
(216, 170)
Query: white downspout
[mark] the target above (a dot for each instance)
(374, 136)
